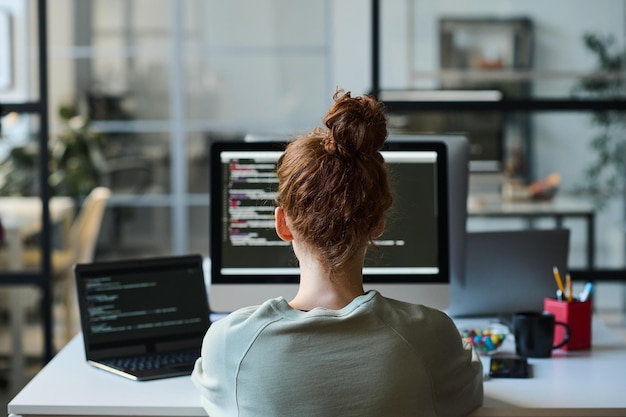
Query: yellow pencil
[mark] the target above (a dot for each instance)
(559, 282)
(570, 292)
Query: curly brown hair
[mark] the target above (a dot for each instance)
(333, 182)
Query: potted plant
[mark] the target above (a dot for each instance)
(75, 160)
(605, 177)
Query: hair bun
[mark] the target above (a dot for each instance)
(329, 143)
(356, 126)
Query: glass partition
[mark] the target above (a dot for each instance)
(540, 89)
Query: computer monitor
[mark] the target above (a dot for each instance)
(421, 248)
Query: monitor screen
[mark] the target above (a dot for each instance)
(248, 257)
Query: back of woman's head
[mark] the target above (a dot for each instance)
(333, 183)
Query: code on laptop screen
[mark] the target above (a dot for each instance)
(127, 305)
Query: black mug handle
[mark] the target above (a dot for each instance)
(566, 337)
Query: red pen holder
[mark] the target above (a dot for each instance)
(577, 315)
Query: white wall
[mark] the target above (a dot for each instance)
(351, 45)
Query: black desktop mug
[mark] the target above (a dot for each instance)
(534, 334)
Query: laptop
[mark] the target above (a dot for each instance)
(509, 271)
(144, 318)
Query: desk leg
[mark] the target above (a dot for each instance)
(591, 241)
(17, 355)
(17, 315)
(559, 221)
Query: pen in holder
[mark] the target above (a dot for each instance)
(577, 315)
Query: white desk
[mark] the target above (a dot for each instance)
(570, 384)
(21, 216)
(68, 386)
(576, 383)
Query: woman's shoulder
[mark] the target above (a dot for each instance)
(402, 312)
(425, 328)
(407, 306)
(268, 311)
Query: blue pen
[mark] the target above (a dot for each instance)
(586, 292)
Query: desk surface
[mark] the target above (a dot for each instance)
(493, 205)
(574, 383)
(569, 384)
(25, 212)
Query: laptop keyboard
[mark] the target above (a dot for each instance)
(154, 361)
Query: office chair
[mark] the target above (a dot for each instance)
(83, 236)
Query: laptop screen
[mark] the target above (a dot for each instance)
(144, 301)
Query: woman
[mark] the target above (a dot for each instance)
(335, 350)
